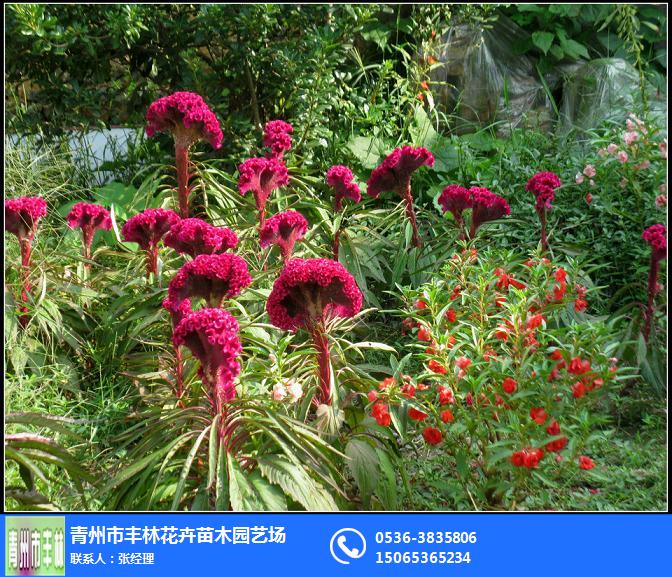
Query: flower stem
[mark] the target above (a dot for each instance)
(26, 248)
(182, 164)
(653, 282)
(410, 213)
(321, 342)
(544, 240)
(152, 258)
(337, 241)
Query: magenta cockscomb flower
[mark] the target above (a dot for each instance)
(89, 218)
(456, 199)
(187, 117)
(147, 229)
(656, 236)
(486, 206)
(543, 185)
(22, 216)
(194, 236)
(277, 138)
(283, 230)
(341, 179)
(262, 176)
(394, 174)
(212, 337)
(307, 294)
(212, 277)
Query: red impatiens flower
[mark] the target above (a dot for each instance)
(432, 436)
(386, 383)
(556, 355)
(579, 366)
(381, 413)
(212, 277)
(194, 236)
(504, 280)
(437, 367)
(424, 334)
(559, 444)
(586, 463)
(277, 137)
(147, 229)
(372, 395)
(89, 217)
(416, 415)
(394, 174)
(262, 176)
(446, 396)
(534, 322)
(408, 390)
(283, 230)
(656, 236)
(188, 118)
(212, 336)
(509, 385)
(420, 305)
(463, 363)
(578, 390)
(306, 295)
(543, 185)
(451, 316)
(528, 458)
(538, 415)
(447, 416)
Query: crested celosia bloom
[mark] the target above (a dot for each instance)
(306, 295)
(284, 230)
(341, 179)
(394, 174)
(22, 216)
(277, 137)
(147, 229)
(456, 199)
(187, 117)
(194, 236)
(212, 277)
(656, 236)
(543, 185)
(487, 206)
(212, 337)
(89, 217)
(262, 176)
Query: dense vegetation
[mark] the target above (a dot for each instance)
(481, 367)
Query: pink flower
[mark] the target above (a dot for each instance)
(622, 157)
(312, 290)
(642, 165)
(262, 176)
(656, 236)
(456, 199)
(194, 236)
(341, 179)
(394, 173)
(283, 230)
(23, 214)
(295, 390)
(661, 201)
(147, 229)
(213, 277)
(602, 152)
(612, 148)
(277, 137)
(663, 148)
(187, 116)
(487, 206)
(543, 185)
(279, 392)
(212, 336)
(578, 178)
(589, 171)
(630, 137)
(89, 217)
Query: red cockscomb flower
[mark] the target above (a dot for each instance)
(656, 236)
(194, 236)
(487, 206)
(277, 137)
(432, 436)
(261, 176)
(212, 336)
(341, 179)
(147, 229)
(543, 185)
(456, 199)
(283, 230)
(394, 174)
(89, 217)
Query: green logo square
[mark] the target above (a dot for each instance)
(35, 546)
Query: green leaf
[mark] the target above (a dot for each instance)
(386, 490)
(543, 40)
(363, 465)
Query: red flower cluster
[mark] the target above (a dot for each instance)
(341, 179)
(277, 137)
(580, 304)
(505, 280)
(558, 445)
(446, 396)
(212, 336)
(394, 173)
(538, 415)
(308, 291)
(509, 385)
(487, 206)
(187, 116)
(194, 236)
(147, 228)
(527, 458)
(89, 217)
(262, 176)
(432, 436)
(656, 236)
(381, 413)
(437, 367)
(416, 415)
(283, 230)
(22, 215)
(586, 463)
(560, 289)
(543, 185)
(456, 199)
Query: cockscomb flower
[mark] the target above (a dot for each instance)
(148, 229)
(543, 185)
(456, 199)
(194, 236)
(22, 216)
(262, 176)
(656, 236)
(277, 137)
(394, 174)
(212, 337)
(89, 217)
(306, 295)
(487, 206)
(342, 180)
(283, 230)
(212, 277)
(187, 117)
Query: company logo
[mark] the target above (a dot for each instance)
(35, 546)
(347, 544)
